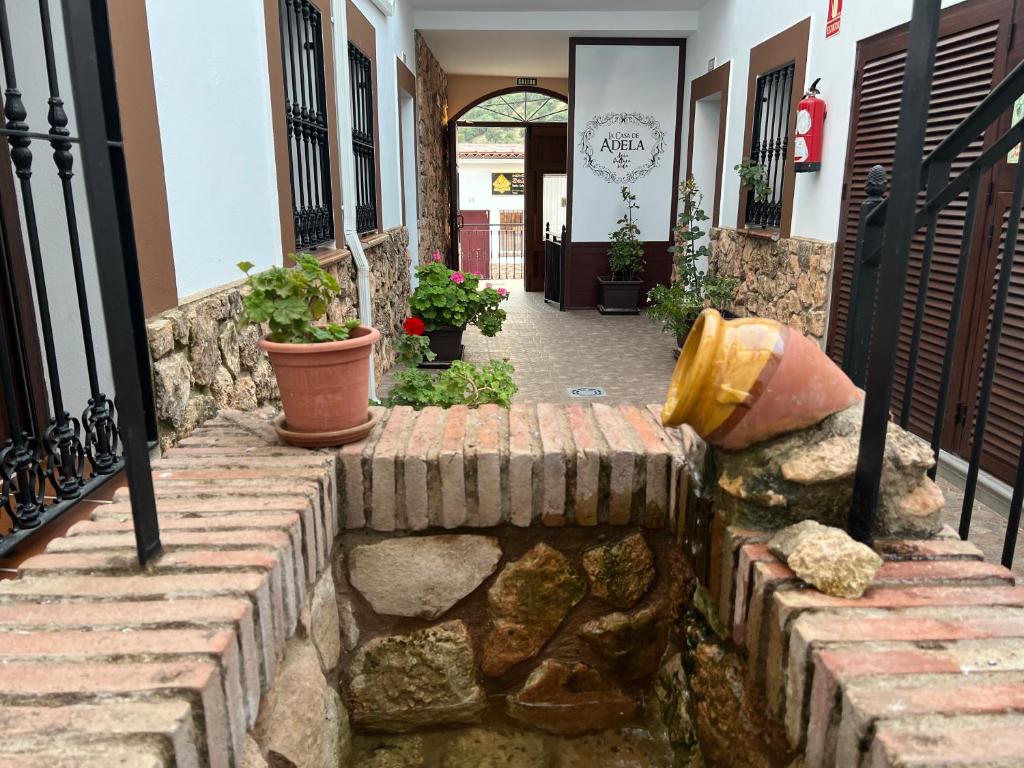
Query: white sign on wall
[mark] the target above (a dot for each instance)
(624, 122)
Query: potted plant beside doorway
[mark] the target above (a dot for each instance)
(322, 368)
(446, 301)
(619, 294)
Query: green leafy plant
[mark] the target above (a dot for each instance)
(626, 254)
(462, 384)
(754, 176)
(292, 300)
(676, 306)
(446, 297)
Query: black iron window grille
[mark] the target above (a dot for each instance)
(50, 457)
(361, 74)
(305, 107)
(769, 144)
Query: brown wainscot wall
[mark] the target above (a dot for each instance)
(785, 279)
(203, 361)
(432, 130)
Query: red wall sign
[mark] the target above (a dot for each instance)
(835, 12)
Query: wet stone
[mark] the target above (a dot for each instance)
(526, 604)
(620, 573)
(673, 700)
(492, 748)
(569, 698)
(392, 752)
(633, 643)
(403, 682)
(833, 562)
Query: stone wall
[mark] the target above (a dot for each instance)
(265, 635)
(786, 280)
(204, 362)
(434, 173)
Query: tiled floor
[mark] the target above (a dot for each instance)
(631, 359)
(627, 356)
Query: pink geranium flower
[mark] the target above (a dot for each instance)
(458, 278)
(437, 256)
(503, 292)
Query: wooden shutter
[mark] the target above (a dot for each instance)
(969, 59)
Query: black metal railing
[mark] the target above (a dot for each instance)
(554, 251)
(769, 143)
(361, 75)
(305, 106)
(887, 227)
(49, 457)
(495, 251)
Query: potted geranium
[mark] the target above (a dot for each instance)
(619, 294)
(677, 306)
(447, 300)
(322, 368)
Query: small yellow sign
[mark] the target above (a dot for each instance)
(501, 184)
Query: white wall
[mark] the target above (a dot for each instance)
(213, 98)
(395, 40)
(706, 124)
(475, 192)
(728, 29)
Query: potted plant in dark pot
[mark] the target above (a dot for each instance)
(620, 293)
(446, 301)
(322, 368)
(693, 289)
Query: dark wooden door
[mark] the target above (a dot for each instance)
(547, 151)
(972, 56)
(475, 242)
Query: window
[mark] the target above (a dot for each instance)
(308, 130)
(361, 74)
(518, 107)
(769, 143)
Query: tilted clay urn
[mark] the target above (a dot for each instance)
(739, 382)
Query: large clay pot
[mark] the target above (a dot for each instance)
(325, 388)
(742, 381)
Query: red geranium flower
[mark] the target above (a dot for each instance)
(414, 326)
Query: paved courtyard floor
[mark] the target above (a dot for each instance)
(627, 355)
(630, 359)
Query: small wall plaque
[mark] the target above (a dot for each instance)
(526, 81)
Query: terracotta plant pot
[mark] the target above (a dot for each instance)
(739, 382)
(325, 388)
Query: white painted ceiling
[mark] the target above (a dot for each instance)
(556, 5)
(510, 54)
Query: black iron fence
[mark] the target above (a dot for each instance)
(887, 228)
(50, 457)
(554, 264)
(305, 106)
(361, 74)
(496, 251)
(769, 144)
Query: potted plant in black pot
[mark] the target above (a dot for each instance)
(693, 289)
(620, 293)
(446, 301)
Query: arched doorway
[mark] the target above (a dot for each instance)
(508, 153)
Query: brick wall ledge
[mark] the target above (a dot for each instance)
(101, 663)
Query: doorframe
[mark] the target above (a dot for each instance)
(453, 153)
(533, 204)
(714, 82)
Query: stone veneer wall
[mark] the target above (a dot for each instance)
(785, 280)
(226, 650)
(204, 362)
(434, 173)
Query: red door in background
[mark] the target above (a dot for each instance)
(475, 242)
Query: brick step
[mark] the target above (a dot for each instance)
(948, 741)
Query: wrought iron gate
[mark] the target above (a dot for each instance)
(50, 457)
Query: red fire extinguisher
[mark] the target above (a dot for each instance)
(810, 128)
